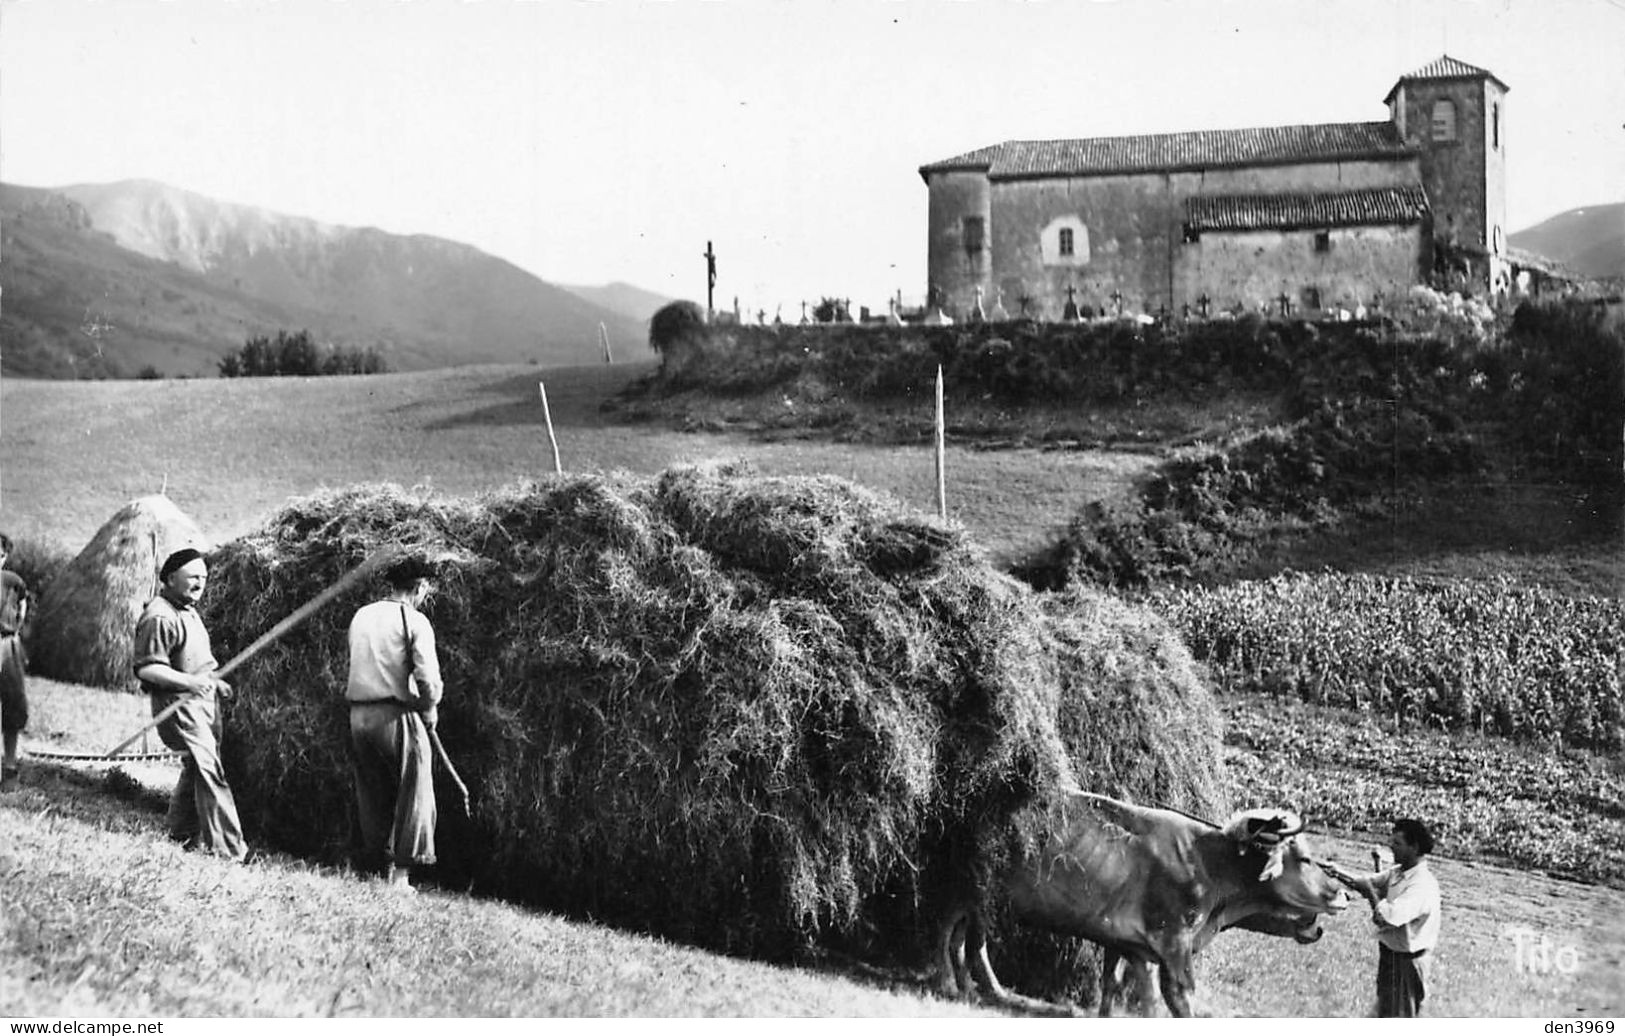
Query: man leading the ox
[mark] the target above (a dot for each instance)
(175, 662)
(1405, 908)
(394, 687)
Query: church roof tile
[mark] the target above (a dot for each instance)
(1365, 207)
(1444, 67)
(1168, 152)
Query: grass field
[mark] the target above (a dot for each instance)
(102, 890)
(229, 452)
(102, 894)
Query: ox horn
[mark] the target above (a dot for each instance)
(1286, 831)
(1274, 830)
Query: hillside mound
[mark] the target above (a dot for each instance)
(755, 714)
(88, 612)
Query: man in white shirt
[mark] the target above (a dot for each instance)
(394, 690)
(1405, 908)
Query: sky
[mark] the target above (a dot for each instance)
(590, 141)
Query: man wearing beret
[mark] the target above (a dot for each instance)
(175, 662)
(393, 689)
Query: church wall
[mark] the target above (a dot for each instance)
(1251, 269)
(1125, 247)
(1131, 227)
(954, 270)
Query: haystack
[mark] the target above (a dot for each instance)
(86, 620)
(754, 714)
(1139, 722)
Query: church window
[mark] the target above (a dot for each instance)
(1064, 241)
(1323, 240)
(1495, 127)
(1444, 120)
(975, 229)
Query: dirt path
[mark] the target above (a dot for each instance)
(1512, 943)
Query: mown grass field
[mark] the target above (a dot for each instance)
(230, 452)
(103, 887)
(109, 918)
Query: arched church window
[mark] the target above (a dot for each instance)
(1444, 120)
(1064, 241)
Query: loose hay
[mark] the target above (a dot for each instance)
(87, 615)
(755, 714)
(1139, 723)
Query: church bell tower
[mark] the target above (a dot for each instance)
(1455, 116)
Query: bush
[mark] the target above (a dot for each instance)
(678, 334)
(1565, 389)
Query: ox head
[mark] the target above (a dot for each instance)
(1290, 885)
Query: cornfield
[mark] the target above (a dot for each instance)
(1482, 655)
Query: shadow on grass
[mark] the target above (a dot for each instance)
(575, 398)
(1563, 537)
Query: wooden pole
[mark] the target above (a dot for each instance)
(451, 771)
(552, 440)
(942, 477)
(306, 610)
(603, 336)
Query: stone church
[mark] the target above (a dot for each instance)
(1300, 219)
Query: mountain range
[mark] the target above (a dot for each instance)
(1589, 240)
(137, 277)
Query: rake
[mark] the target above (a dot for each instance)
(266, 639)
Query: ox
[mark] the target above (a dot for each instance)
(1150, 886)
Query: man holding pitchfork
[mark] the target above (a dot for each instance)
(175, 664)
(393, 689)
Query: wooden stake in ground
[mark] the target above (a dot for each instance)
(552, 440)
(942, 476)
(603, 336)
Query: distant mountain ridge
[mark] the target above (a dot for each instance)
(115, 278)
(1589, 240)
(621, 297)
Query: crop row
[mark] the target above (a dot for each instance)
(1458, 655)
(1484, 798)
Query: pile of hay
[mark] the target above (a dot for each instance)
(755, 714)
(1139, 722)
(85, 627)
(1137, 716)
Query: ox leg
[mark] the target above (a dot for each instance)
(1140, 997)
(1132, 987)
(953, 976)
(1109, 986)
(976, 947)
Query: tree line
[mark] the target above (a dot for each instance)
(299, 355)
